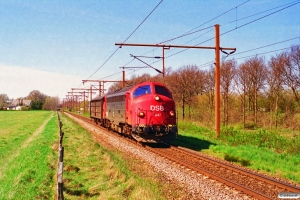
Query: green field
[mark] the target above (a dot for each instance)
(26, 155)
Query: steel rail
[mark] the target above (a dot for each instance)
(213, 176)
(261, 177)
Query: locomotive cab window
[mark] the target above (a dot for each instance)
(145, 89)
(162, 91)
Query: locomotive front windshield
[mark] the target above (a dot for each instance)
(145, 89)
(162, 91)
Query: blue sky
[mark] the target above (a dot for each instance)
(52, 45)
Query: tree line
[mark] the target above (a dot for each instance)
(39, 101)
(255, 93)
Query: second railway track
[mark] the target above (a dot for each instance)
(254, 184)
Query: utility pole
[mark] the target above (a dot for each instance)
(101, 83)
(77, 95)
(217, 81)
(83, 95)
(73, 100)
(70, 100)
(163, 60)
(217, 49)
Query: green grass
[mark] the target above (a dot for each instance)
(30, 173)
(16, 127)
(93, 172)
(262, 150)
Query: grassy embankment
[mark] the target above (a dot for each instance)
(94, 172)
(27, 160)
(271, 152)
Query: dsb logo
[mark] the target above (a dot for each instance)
(157, 108)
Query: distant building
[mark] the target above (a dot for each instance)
(18, 103)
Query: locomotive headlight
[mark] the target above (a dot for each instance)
(172, 113)
(157, 98)
(141, 114)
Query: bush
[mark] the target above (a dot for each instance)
(25, 108)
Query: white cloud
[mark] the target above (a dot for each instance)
(19, 82)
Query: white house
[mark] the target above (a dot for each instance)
(18, 103)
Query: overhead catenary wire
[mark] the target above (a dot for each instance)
(237, 28)
(267, 45)
(264, 53)
(125, 40)
(189, 32)
(186, 34)
(211, 62)
(261, 12)
(259, 18)
(192, 30)
(216, 17)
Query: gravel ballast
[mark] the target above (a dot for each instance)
(195, 185)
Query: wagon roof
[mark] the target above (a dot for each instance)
(113, 93)
(97, 98)
(119, 91)
(124, 90)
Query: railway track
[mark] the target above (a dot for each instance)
(254, 184)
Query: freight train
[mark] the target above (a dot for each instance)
(145, 112)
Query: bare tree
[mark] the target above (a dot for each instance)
(51, 103)
(274, 81)
(257, 72)
(228, 71)
(295, 60)
(3, 99)
(242, 86)
(36, 95)
(209, 89)
(184, 83)
(291, 71)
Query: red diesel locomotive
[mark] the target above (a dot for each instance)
(145, 111)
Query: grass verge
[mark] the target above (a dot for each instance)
(93, 172)
(262, 150)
